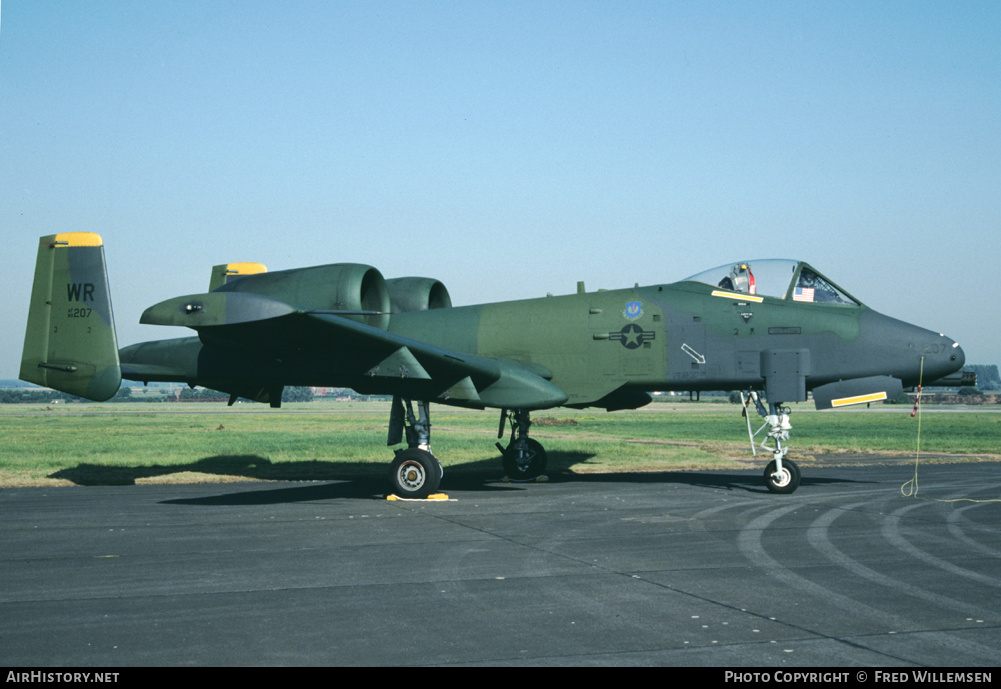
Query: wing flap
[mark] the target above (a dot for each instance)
(400, 364)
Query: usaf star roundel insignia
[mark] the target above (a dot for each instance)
(632, 336)
(634, 309)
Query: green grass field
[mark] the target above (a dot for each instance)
(108, 444)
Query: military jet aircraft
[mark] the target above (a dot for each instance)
(778, 329)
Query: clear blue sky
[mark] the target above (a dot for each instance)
(509, 148)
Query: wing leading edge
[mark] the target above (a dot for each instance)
(271, 342)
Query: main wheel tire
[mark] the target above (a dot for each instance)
(527, 464)
(785, 481)
(414, 474)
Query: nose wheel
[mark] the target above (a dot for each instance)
(782, 479)
(781, 474)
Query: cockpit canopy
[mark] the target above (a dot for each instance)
(779, 278)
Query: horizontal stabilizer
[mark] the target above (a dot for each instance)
(857, 391)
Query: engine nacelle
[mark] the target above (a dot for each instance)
(417, 294)
(336, 287)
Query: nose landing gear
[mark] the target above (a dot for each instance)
(781, 475)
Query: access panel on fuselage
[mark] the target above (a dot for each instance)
(627, 335)
(592, 343)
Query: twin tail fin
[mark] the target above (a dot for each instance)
(70, 342)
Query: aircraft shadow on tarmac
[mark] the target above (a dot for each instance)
(748, 481)
(374, 488)
(256, 467)
(249, 467)
(366, 480)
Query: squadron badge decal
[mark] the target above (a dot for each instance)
(634, 310)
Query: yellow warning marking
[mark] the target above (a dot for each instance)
(245, 268)
(78, 239)
(858, 399)
(735, 295)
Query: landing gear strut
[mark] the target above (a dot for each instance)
(781, 474)
(524, 459)
(415, 473)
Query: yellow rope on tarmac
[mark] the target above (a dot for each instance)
(912, 491)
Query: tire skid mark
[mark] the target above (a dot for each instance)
(891, 532)
(749, 541)
(750, 544)
(817, 535)
(961, 534)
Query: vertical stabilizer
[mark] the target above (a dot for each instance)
(70, 341)
(223, 273)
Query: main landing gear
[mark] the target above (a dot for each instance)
(781, 475)
(415, 473)
(524, 459)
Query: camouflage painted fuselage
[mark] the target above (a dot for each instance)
(343, 325)
(609, 345)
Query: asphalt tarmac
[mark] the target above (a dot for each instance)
(674, 568)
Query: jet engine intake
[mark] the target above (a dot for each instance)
(417, 294)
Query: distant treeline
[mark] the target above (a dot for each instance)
(33, 395)
(19, 395)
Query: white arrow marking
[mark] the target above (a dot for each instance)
(699, 359)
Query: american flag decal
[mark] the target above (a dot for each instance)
(802, 294)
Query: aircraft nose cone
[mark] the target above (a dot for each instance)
(908, 352)
(956, 356)
(942, 357)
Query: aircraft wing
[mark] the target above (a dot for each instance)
(330, 348)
